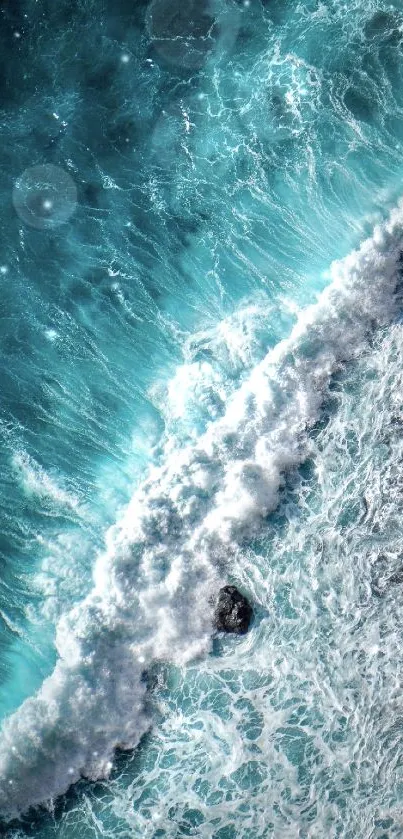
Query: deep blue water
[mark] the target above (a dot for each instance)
(201, 355)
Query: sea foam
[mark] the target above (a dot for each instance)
(154, 585)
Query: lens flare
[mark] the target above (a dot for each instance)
(45, 196)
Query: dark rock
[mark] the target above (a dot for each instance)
(233, 612)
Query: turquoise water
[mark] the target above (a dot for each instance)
(201, 355)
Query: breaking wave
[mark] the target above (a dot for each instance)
(154, 585)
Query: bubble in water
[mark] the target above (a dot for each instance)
(45, 196)
(187, 33)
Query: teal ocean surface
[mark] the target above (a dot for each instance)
(201, 382)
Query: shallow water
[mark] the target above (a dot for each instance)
(201, 381)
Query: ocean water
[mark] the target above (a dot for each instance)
(201, 382)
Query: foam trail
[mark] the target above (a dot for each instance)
(36, 481)
(163, 560)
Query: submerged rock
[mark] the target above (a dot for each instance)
(233, 611)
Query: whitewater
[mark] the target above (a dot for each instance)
(201, 353)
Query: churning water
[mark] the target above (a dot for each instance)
(201, 381)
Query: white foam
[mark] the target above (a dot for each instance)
(216, 360)
(36, 481)
(162, 561)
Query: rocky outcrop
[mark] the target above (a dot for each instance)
(233, 612)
